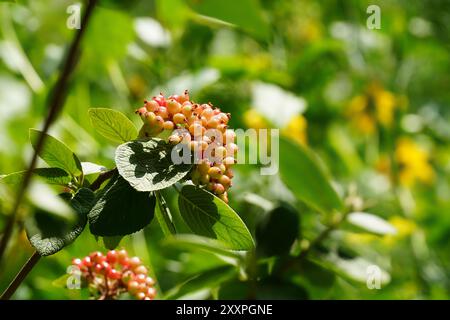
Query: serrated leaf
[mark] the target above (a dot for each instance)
(120, 210)
(112, 124)
(300, 172)
(371, 223)
(50, 175)
(209, 216)
(277, 231)
(56, 154)
(147, 165)
(49, 234)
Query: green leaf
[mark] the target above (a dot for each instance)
(209, 216)
(50, 175)
(120, 210)
(112, 124)
(49, 234)
(111, 242)
(277, 231)
(300, 172)
(194, 243)
(371, 223)
(164, 216)
(147, 165)
(246, 14)
(56, 154)
(208, 279)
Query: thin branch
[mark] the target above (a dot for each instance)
(56, 103)
(20, 276)
(102, 178)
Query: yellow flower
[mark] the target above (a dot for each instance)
(296, 129)
(377, 105)
(413, 162)
(404, 226)
(253, 119)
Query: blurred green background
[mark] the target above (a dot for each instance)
(373, 104)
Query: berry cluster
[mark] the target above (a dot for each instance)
(203, 129)
(115, 273)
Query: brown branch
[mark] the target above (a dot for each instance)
(102, 178)
(57, 98)
(20, 276)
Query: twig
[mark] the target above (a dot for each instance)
(55, 106)
(102, 178)
(314, 243)
(20, 276)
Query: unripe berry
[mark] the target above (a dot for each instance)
(196, 129)
(195, 176)
(207, 113)
(133, 286)
(150, 118)
(141, 270)
(210, 186)
(122, 254)
(135, 262)
(151, 105)
(140, 278)
(214, 172)
(224, 197)
(229, 136)
(219, 189)
(149, 281)
(225, 181)
(141, 111)
(229, 161)
(151, 293)
(229, 173)
(204, 179)
(221, 166)
(127, 276)
(187, 111)
(168, 125)
(179, 118)
(222, 127)
(174, 139)
(173, 106)
(213, 123)
(142, 287)
(162, 111)
(203, 167)
(140, 295)
(220, 152)
(232, 149)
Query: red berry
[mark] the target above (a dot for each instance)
(114, 274)
(112, 256)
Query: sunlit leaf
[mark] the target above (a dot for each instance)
(147, 165)
(56, 154)
(209, 216)
(300, 172)
(112, 124)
